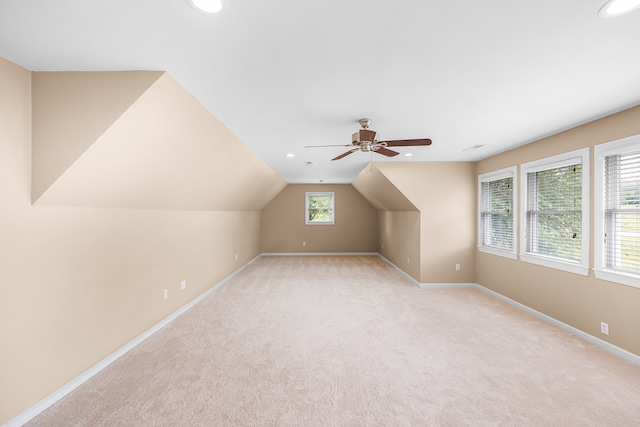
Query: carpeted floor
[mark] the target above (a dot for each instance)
(347, 341)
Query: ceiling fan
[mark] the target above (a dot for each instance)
(365, 140)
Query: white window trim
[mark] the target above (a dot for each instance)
(510, 172)
(306, 207)
(560, 160)
(618, 146)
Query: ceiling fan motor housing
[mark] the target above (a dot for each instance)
(363, 135)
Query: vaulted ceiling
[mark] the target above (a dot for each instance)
(284, 74)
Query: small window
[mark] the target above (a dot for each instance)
(617, 217)
(496, 212)
(555, 229)
(319, 208)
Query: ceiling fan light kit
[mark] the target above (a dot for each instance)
(365, 140)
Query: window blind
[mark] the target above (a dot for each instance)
(496, 214)
(554, 212)
(622, 212)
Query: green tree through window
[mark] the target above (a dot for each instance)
(497, 212)
(555, 214)
(319, 208)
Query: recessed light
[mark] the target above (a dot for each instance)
(614, 8)
(207, 6)
(290, 155)
(408, 154)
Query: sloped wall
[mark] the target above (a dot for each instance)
(77, 283)
(444, 195)
(151, 147)
(398, 220)
(71, 110)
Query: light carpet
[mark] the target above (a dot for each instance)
(348, 341)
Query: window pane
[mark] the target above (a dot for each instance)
(558, 235)
(622, 212)
(554, 212)
(496, 215)
(319, 208)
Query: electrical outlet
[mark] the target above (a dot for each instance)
(604, 328)
(183, 285)
(457, 267)
(382, 245)
(408, 260)
(236, 257)
(166, 293)
(304, 243)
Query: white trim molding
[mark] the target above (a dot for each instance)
(67, 388)
(601, 270)
(332, 208)
(510, 172)
(319, 254)
(76, 382)
(581, 157)
(613, 349)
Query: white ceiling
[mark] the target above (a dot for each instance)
(283, 74)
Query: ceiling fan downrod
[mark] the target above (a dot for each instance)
(365, 123)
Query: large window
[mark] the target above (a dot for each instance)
(555, 212)
(617, 217)
(319, 208)
(496, 212)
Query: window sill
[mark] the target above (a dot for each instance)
(493, 251)
(617, 277)
(553, 263)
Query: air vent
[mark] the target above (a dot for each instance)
(473, 147)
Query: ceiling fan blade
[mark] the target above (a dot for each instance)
(345, 154)
(319, 146)
(407, 142)
(385, 152)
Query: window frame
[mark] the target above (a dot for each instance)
(510, 172)
(581, 267)
(308, 194)
(619, 146)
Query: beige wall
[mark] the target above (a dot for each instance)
(398, 220)
(63, 100)
(582, 302)
(444, 195)
(400, 240)
(77, 283)
(138, 140)
(284, 228)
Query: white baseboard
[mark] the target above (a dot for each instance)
(319, 253)
(76, 382)
(446, 285)
(427, 285)
(399, 270)
(611, 348)
(67, 388)
(617, 351)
